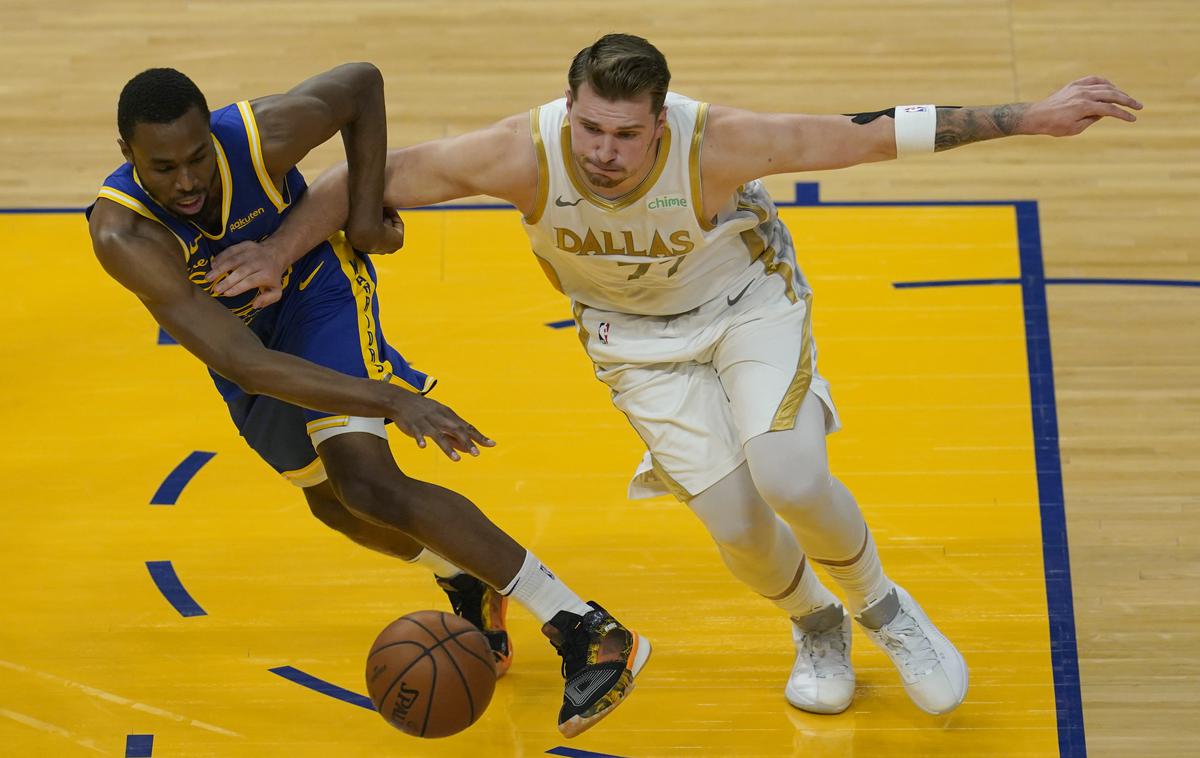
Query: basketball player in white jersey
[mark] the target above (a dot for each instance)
(646, 209)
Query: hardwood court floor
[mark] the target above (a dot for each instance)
(1116, 206)
(938, 445)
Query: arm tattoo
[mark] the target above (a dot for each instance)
(962, 126)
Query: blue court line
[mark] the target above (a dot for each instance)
(139, 745)
(320, 685)
(573, 752)
(14, 211)
(1063, 651)
(167, 581)
(168, 492)
(1064, 655)
(1085, 280)
(293, 674)
(561, 324)
(164, 338)
(1056, 557)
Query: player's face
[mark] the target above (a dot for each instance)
(614, 142)
(176, 163)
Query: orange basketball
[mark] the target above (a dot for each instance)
(431, 674)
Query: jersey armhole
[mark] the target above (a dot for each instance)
(694, 168)
(543, 185)
(132, 203)
(256, 157)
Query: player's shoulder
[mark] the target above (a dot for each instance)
(116, 229)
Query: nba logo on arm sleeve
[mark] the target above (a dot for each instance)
(602, 332)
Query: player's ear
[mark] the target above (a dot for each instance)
(660, 123)
(570, 99)
(125, 149)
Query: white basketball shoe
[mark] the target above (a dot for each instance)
(822, 680)
(933, 671)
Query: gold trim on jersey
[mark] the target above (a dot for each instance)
(256, 156)
(760, 251)
(550, 273)
(543, 187)
(694, 169)
(789, 406)
(138, 207)
(675, 488)
(363, 290)
(226, 192)
(629, 198)
(310, 475)
(577, 310)
(327, 422)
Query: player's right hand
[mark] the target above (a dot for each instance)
(385, 237)
(246, 266)
(421, 418)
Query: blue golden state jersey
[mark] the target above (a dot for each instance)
(329, 311)
(252, 207)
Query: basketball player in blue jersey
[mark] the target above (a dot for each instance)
(646, 209)
(307, 374)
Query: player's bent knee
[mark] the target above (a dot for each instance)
(753, 533)
(797, 491)
(384, 500)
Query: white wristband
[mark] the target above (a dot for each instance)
(916, 126)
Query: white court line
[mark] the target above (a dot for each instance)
(110, 697)
(21, 718)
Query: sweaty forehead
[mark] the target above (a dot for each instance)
(614, 114)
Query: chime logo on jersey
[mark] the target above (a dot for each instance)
(623, 243)
(666, 202)
(602, 332)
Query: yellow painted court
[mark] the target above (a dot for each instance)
(934, 388)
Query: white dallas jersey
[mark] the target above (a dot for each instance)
(649, 251)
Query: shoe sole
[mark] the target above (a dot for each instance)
(575, 726)
(818, 709)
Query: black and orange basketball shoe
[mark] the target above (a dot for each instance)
(600, 660)
(484, 607)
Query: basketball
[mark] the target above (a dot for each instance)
(431, 674)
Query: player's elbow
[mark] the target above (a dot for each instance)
(365, 75)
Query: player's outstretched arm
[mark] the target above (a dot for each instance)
(145, 259)
(742, 145)
(498, 161)
(347, 99)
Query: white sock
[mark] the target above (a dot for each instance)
(544, 594)
(861, 576)
(436, 563)
(807, 595)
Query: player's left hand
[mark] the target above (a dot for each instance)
(1077, 106)
(385, 237)
(246, 266)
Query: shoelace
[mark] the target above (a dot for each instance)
(828, 652)
(574, 648)
(464, 601)
(908, 644)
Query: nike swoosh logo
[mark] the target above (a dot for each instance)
(564, 204)
(304, 283)
(733, 300)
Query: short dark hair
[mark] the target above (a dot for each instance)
(621, 67)
(157, 96)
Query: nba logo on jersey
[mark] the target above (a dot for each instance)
(602, 332)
